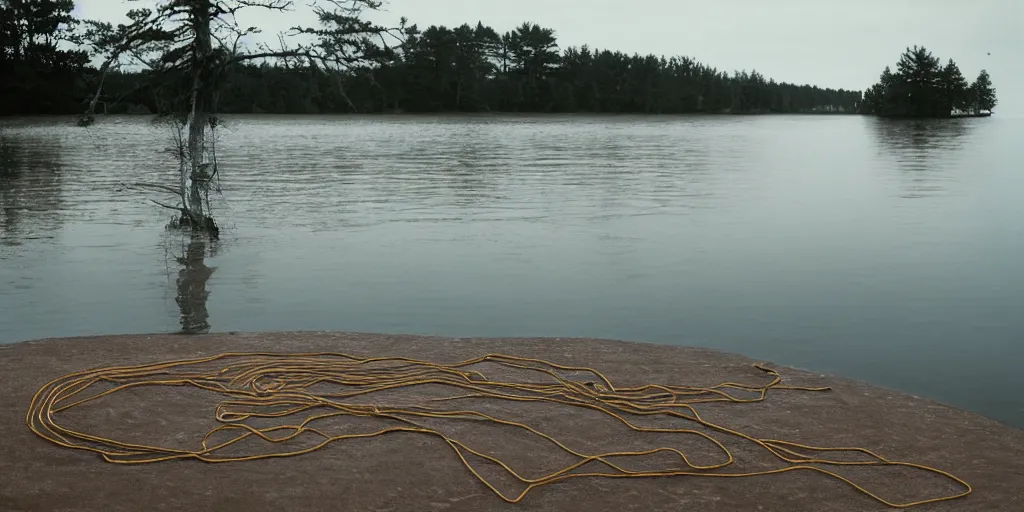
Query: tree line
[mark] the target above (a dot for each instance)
(476, 69)
(922, 87)
(37, 76)
(470, 68)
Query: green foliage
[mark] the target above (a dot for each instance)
(982, 93)
(36, 76)
(954, 88)
(922, 87)
(474, 69)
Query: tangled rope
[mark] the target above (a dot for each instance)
(312, 388)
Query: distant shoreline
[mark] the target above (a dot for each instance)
(73, 117)
(463, 114)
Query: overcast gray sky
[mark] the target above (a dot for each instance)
(830, 43)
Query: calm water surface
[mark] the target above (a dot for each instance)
(891, 252)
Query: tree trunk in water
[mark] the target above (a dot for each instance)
(341, 89)
(88, 117)
(99, 89)
(199, 116)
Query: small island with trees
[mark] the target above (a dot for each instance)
(923, 87)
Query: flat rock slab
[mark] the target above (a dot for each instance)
(408, 472)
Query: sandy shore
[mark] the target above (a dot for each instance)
(407, 472)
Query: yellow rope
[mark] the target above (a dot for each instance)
(266, 385)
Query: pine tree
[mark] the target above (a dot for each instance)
(954, 87)
(919, 70)
(984, 95)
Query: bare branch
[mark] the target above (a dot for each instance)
(222, 7)
(169, 207)
(266, 55)
(150, 64)
(187, 47)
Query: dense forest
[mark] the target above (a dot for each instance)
(45, 69)
(474, 69)
(923, 87)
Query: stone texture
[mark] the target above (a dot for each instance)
(407, 472)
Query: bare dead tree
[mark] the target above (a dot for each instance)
(192, 39)
(187, 46)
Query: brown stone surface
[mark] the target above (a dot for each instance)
(409, 472)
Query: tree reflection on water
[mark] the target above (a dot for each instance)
(927, 153)
(31, 188)
(191, 284)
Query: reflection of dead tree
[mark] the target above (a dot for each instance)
(191, 283)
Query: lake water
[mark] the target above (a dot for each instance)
(885, 251)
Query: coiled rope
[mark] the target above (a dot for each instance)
(279, 387)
